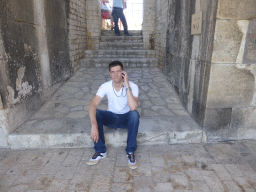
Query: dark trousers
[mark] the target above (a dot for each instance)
(118, 13)
(128, 120)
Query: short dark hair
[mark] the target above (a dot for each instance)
(115, 63)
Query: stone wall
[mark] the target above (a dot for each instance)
(77, 27)
(231, 101)
(213, 72)
(187, 62)
(148, 27)
(162, 22)
(38, 39)
(93, 15)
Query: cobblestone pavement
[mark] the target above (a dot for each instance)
(229, 166)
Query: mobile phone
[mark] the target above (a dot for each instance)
(123, 75)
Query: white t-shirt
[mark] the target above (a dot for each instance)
(117, 101)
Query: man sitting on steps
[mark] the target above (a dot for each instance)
(122, 97)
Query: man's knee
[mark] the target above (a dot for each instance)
(134, 115)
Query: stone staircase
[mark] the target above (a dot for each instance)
(63, 121)
(128, 49)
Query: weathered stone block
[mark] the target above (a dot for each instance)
(20, 11)
(236, 9)
(250, 46)
(230, 86)
(13, 43)
(227, 41)
(217, 123)
(243, 118)
(30, 41)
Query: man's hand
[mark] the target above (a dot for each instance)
(95, 134)
(126, 79)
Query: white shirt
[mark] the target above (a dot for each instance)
(117, 101)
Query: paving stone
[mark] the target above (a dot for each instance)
(7, 181)
(194, 174)
(200, 186)
(58, 185)
(243, 184)
(100, 183)
(251, 145)
(80, 182)
(142, 157)
(50, 168)
(212, 181)
(180, 182)
(65, 173)
(160, 174)
(144, 169)
(123, 174)
(249, 157)
(157, 161)
(18, 188)
(71, 160)
(221, 171)
(142, 182)
(26, 177)
(175, 168)
(233, 170)
(163, 187)
(246, 169)
(59, 155)
(118, 187)
(231, 186)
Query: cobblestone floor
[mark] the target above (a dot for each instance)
(215, 167)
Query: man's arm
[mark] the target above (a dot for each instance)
(133, 102)
(123, 4)
(92, 113)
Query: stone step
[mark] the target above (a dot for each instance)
(75, 133)
(112, 32)
(122, 39)
(120, 53)
(121, 45)
(127, 62)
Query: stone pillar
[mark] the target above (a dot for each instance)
(93, 15)
(43, 53)
(3, 80)
(231, 107)
(148, 27)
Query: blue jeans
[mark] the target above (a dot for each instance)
(118, 13)
(128, 120)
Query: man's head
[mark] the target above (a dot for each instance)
(114, 64)
(115, 71)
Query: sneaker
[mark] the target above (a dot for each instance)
(96, 158)
(132, 161)
(127, 34)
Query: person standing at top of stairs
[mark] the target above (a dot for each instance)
(118, 6)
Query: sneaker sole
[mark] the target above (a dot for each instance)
(94, 162)
(132, 166)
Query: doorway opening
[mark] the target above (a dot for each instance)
(133, 12)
